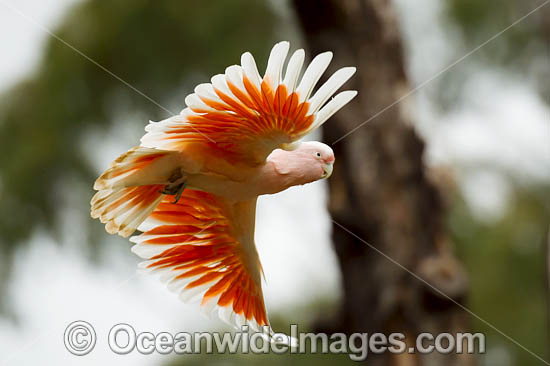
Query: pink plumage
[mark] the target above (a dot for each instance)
(191, 186)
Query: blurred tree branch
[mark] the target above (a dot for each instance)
(380, 189)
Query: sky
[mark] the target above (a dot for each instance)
(507, 130)
(22, 41)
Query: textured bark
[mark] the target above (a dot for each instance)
(380, 189)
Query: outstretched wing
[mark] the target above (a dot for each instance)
(204, 248)
(247, 116)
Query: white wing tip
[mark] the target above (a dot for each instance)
(327, 54)
(349, 93)
(247, 57)
(349, 70)
(281, 338)
(281, 45)
(333, 106)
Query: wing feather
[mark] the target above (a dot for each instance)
(293, 70)
(247, 116)
(203, 248)
(275, 64)
(330, 87)
(312, 74)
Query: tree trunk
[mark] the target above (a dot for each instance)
(380, 190)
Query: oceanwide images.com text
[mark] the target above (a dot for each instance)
(80, 339)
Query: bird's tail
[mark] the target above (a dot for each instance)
(130, 189)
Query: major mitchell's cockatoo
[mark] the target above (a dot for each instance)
(192, 184)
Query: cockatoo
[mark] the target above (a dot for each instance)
(192, 184)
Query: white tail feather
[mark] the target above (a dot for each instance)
(129, 190)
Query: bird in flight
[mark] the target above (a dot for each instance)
(192, 184)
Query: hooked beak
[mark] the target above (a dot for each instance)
(327, 169)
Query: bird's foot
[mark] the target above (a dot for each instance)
(175, 189)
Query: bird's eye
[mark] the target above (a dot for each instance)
(318, 154)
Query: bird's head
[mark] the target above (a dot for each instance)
(303, 162)
(321, 157)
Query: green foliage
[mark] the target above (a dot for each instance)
(156, 46)
(506, 264)
(521, 50)
(480, 20)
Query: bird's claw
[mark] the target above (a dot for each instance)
(174, 190)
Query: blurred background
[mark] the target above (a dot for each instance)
(452, 182)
